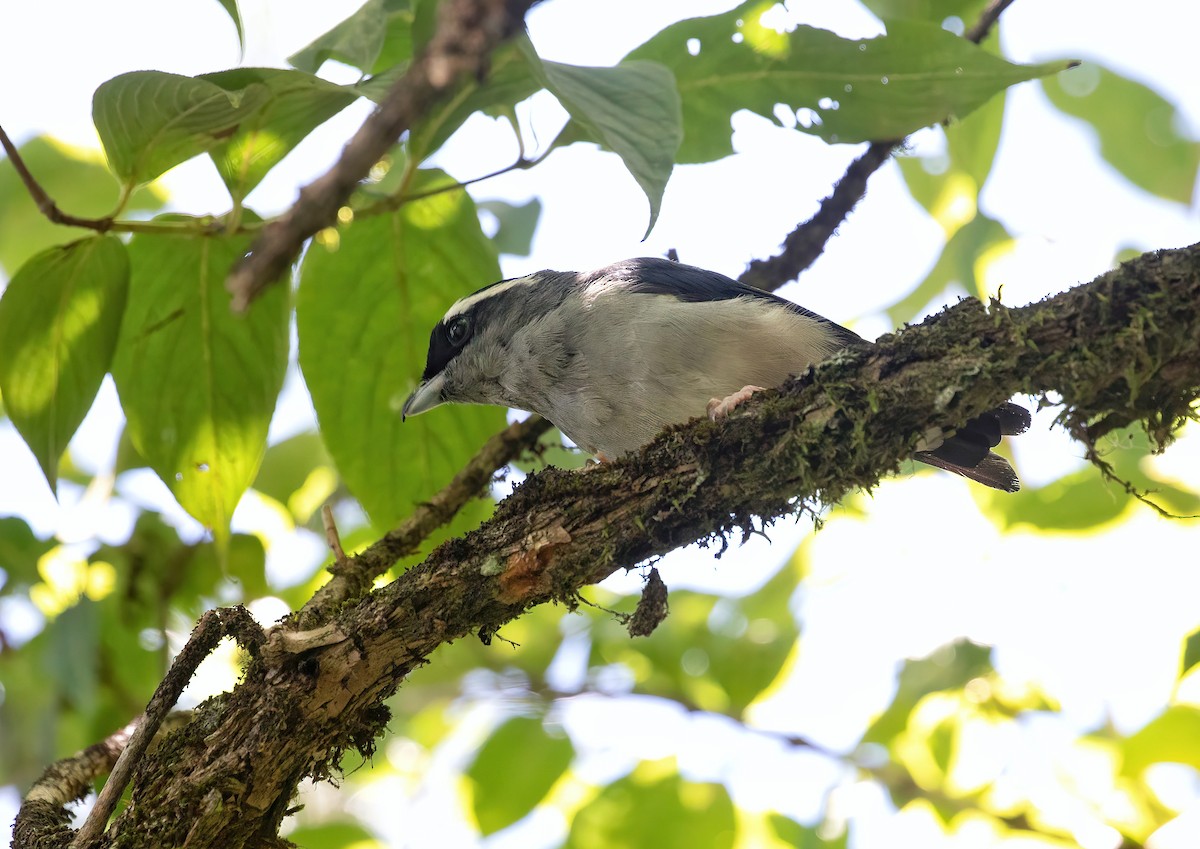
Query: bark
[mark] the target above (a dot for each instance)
(1122, 349)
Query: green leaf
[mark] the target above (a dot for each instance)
(74, 635)
(717, 654)
(1138, 129)
(356, 41)
(510, 80)
(297, 104)
(198, 383)
(514, 771)
(1171, 737)
(244, 562)
(335, 835)
(803, 837)
(516, 224)
(20, 550)
(150, 121)
(644, 813)
(949, 667)
(298, 473)
(880, 88)
(79, 184)
(551, 451)
(1191, 653)
(1084, 501)
(373, 296)
(934, 11)
(632, 109)
(972, 141)
(231, 9)
(59, 321)
(403, 36)
(939, 182)
(954, 268)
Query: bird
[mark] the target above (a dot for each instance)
(613, 356)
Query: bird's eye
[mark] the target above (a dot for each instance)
(458, 330)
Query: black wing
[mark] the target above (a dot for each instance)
(657, 276)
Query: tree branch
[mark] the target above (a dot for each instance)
(354, 577)
(468, 31)
(120, 753)
(1122, 349)
(803, 245)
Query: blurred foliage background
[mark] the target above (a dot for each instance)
(940, 665)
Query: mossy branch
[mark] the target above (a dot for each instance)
(1124, 348)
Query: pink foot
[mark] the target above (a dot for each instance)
(719, 408)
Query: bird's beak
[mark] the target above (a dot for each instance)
(425, 397)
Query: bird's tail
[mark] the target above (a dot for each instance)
(968, 451)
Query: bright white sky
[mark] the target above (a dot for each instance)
(1090, 619)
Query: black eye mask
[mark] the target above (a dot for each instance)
(446, 340)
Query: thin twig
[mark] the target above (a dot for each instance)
(394, 202)
(804, 245)
(45, 203)
(200, 644)
(467, 32)
(987, 20)
(109, 223)
(356, 573)
(331, 535)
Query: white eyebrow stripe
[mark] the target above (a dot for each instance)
(463, 304)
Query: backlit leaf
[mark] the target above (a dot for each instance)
(150, 121)
(1138, 129)
(1191, 653)
(19, 552)
(515, 770)
(197, 382)
(371, 297)
(651, 813)
(335, 835)
(297, 104)
(947, 668)
(802, 837)
(955, 268)
(1084, 501)
(717, 654)
(1171, 737)
(59, 321)
(294, 467)
(79, 184)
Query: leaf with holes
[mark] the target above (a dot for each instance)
(59, 321)
(849, 90)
